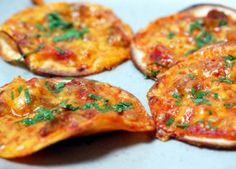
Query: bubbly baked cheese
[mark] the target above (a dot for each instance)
(66, 39)
(167, 40)
(39, 112)
(195, 100)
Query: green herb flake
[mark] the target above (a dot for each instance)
(203, 39)
(210, 112)
(200, 121)
(229, 105)
(55, 88)
(67, 106)
(88, 106)
(201, 94)
(228, 59)
(191, 76)
(170, 35)
(94, 97)
(32, 52)
(55, 21)
(177, 96)
(42, 114)
(193, 91)
(191, 51)
(223, 22)
(200, 100)
(170, 121)
(210, 126)
(177, 103)
(71, 34)
(40, 27)
(27, 96)
(120, 107)
(182, 125)
(225, 80)
(60, 50)
(12, 95)
(216, 95)
(197, 24)
(20, 88)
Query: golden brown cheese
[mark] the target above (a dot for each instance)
(66, 39)
(39, 112)
(170, 39)
(195, 100)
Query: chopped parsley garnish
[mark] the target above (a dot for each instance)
(198, 96)
(56, 21)
(122, 106)
(191, 51)
(152, 74)
(193, 91)
(55, 88)
(197, 24)
(225, 80)
(216, 95)
(42, 114)
(60, 50)
(210, 126)
(178, 97)
(228, 59)
(201, 94)
(27, 96)
(202, 39)
(199, 100)
(40, 27)
(200, 121)
(94, 97)
(182, 125)
(20, 88)
(229, 105)
(223, 22)
(32, 52)
(210, 112)
(67, 106)
(71, 34)
(12, 95)
(170, 35)
(191, 76)
(170, 121)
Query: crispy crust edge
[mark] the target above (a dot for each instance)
(205, 7)
(215, 143)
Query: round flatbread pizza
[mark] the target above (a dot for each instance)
(65, 39)
(194, 101)
(40, 112)
(167, 40)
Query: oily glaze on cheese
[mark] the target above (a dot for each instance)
(195, 100)
(66, 39)
(166, 41)
(39, 112)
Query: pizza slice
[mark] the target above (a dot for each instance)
(167, 40)
(39, 112)
(65, 39)
(195, 100)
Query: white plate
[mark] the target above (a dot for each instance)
(119, 150)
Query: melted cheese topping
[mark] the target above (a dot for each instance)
(104, 44)
(55, 109)
(196, 97)
(170, 39)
